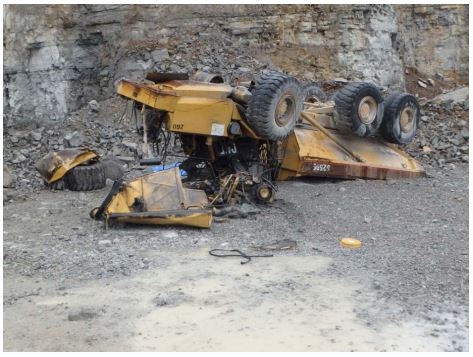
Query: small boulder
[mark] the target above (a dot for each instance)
(114, 168)
(7, 177)
(94, 106)
(19, 157)
(130, 145)
(73, 140)
(36, 135)
(160, 55)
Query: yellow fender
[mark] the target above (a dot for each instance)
(55, 165)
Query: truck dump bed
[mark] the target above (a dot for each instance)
(310, 152)
(314, 150)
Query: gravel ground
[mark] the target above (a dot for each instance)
(411, 272)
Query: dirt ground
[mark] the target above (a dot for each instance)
(72, 285)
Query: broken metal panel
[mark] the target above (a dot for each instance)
(201, 218)
(310, 152)
(156, 192)
(158, 198)
(55, 165)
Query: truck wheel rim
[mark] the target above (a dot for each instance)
(264, 193)
(285, 110)
(367, 110)
(406, 120)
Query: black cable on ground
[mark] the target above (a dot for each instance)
(214, 252)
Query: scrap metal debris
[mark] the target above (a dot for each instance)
(55, 165)
(155, 198)
(283, 244)
(76, 169)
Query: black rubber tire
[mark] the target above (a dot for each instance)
(272, 89)
(333, 96)
(391, 126)
(86, 177)
(347, 102)
(312, 93)
(58, 185)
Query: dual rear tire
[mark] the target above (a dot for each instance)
(361, 106)
(401, 118)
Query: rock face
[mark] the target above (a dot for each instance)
(57, 58)
(434, 39)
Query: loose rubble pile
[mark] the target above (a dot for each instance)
(208, 52)
(106, 127)
(443, 135)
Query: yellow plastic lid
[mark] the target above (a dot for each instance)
(349, 242)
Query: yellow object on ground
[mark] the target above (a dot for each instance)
(55, 165)
(350, 242)
(156, 198)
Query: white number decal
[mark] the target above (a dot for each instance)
(321, 167)
(217, 129)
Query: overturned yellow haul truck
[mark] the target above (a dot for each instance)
(238, 140)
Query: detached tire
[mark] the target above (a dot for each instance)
(401, 118)
(86, 177)
(275, 106)
(361, 105)
(58, 185)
